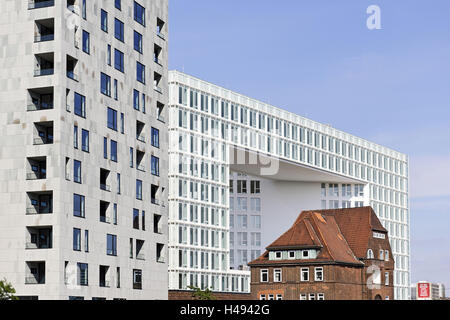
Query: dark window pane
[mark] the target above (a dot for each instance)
(139, 13)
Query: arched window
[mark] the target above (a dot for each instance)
(370, 254)
(381, 257)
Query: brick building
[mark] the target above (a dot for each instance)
(340, 254)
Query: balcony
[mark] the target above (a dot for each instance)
(140, 129)
(71, 68)
(44, 30)
(73, 76)
(35, 272)
(140, 250)
(104, 273)
(40, 99)
(140, 137)
(73, 6)
(137, 285)
(157, 89)
(160, 257)
(104, 177)
(156, 81)
(37, 4)
(140, 156)
(105, 187)
(43, 133)
(44, 63)
(39, 238)
(157, 225)
(154, 194)
(157, 54)
(159, 28)
(44, 38)
(104, 217)
(36, 168)
(39, 202)
(160, 112)
(140, 256)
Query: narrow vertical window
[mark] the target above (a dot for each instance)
(86, 42)
(86, 240)
(131, 158)
(116, 90)
(105, 148)
(118, 183)
(104, 20)
(122, 123)
(75, 137)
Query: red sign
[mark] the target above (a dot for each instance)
(424, 290)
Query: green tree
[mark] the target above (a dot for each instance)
(200, 294)
(7, 291)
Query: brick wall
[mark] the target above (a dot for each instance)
(340, 283)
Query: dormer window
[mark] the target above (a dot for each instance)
(278, 255)
(305, 254)
(291, 254)
(381, 257)
(370, 254)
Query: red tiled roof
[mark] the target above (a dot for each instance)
(301, 234)
(356, 224)
(342, 234)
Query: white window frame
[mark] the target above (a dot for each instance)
(301, 275)
(386, 255)
(303, 296)
(289, 255)
(320, 296)
(271, 297)
(275, 272)
(264, 271)
(280, 253)
(313, 295)
(262, 297)
(279, 297)
(315, 274)
(307, 254)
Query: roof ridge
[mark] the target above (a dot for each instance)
(308, 227)
(312, 213)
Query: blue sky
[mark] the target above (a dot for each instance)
(318, 59)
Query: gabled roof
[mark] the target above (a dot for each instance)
(342, 235)
(300, 235)
(357, 225)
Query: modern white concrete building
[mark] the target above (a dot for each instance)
(301, 164)
(245, 220)
(83, 148)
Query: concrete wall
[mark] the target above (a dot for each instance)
(17, 64)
